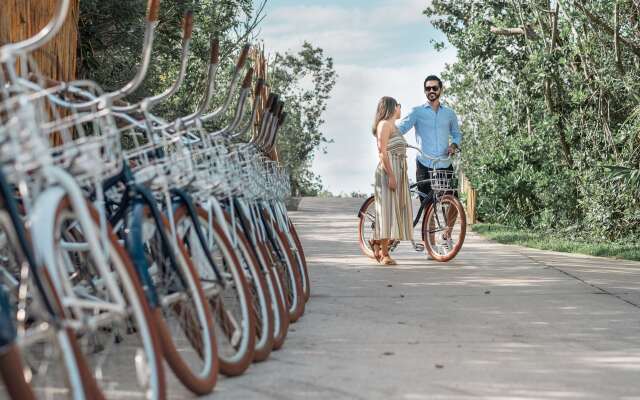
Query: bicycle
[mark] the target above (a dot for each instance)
(155, 241)
(444, 225)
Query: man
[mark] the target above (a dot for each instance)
(435, 124)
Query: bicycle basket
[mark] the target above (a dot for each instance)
(441, 180)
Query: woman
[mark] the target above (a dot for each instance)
(394, 215)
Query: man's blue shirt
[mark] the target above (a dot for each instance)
(433, 129)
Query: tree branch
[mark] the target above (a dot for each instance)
(595, 20)
(616, 38)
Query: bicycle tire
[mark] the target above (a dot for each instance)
(276, 288)
(293, 279)
(11, 371)
(429, 214)
(12, 367)
(198, 331)
(236, 363)
(18, 244)
(273, 280)
(130, 286)
(263, 304)
(302, 261)
(362, 220)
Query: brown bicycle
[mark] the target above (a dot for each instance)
(442, 218)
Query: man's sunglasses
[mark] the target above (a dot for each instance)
(431, 88)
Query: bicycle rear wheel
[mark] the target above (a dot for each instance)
(444, 227)
(367, 226)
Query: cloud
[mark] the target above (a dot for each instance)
(345, 32)
(378, 49)
(352, 158)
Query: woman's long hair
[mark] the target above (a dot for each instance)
(386, 109)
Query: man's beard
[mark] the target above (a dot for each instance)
(433, 97)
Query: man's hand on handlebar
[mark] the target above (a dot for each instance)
(452, 149)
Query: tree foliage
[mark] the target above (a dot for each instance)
(111, 33)
(304, 80)
(548, 92)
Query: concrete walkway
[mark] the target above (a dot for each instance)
(498, 322)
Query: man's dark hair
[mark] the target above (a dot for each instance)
(432, 78)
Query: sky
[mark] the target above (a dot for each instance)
(380, 48)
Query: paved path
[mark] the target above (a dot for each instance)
(499, 322)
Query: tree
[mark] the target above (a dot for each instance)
(304, 80)
(111, 33)
(547, 91)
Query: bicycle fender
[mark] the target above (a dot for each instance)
(42, 239)
(183, 197)
(135, 246)
(215, 206)
(363, 206)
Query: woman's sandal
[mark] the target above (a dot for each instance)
(387, 260)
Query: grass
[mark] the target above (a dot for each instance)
(546, 241)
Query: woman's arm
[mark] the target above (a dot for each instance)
(384, 133)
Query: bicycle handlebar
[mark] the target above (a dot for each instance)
(433, 158)
(153, 10)
(246, 83)
(215, 51)
(259, 84)
(187, 25)
(243, 56)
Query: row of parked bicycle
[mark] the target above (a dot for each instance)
(128, 241)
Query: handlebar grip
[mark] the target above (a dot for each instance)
(153, 10)
(246, 83)
(259, 86)
(187, 25)
(282, 118)
(243, 56)
(215, 51)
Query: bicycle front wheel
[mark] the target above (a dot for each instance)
(262, 302)
(106, 302)
(278, 293)
(38, 355)
(289, 271)
(444, 228)
(184, 318)
(230, 301)
(302, 261)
